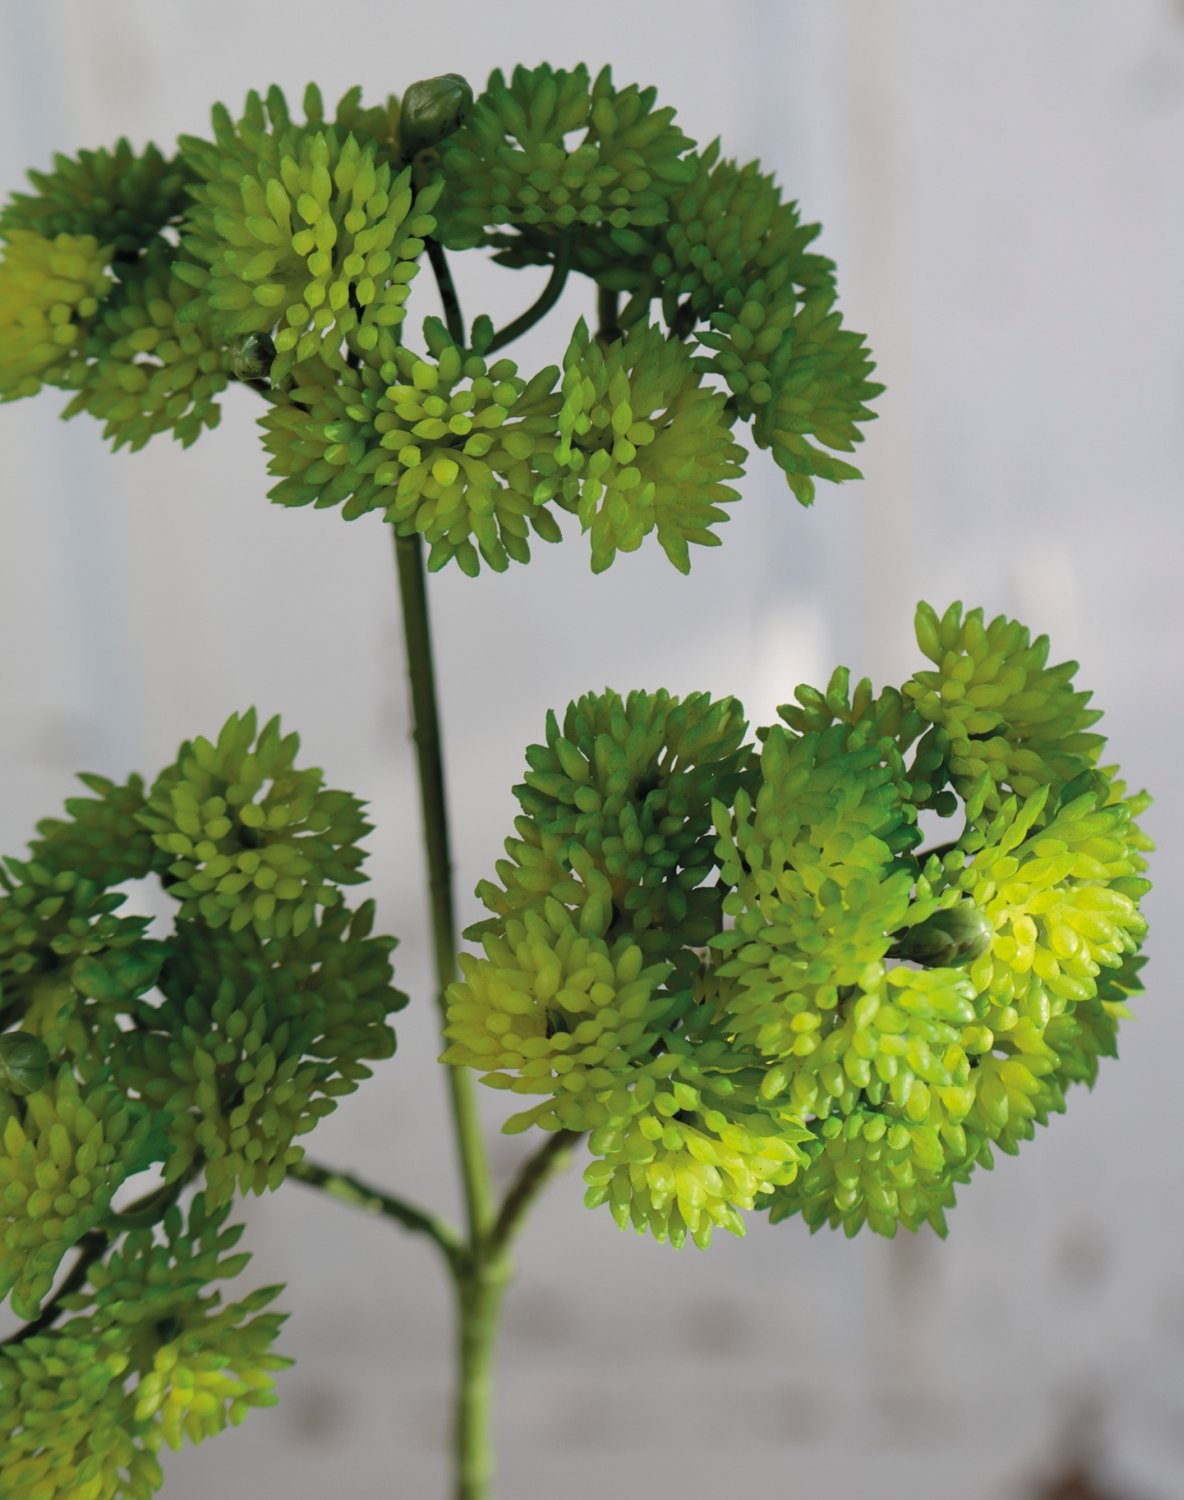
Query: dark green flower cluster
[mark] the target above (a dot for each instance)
(250, 840)
(279, 253)
(753, 990)
(510, 163)
(151, 1356)
(255, 1041)
(210, 1049)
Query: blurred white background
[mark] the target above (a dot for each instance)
(1001, 187)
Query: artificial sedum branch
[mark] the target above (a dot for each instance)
(717, 955)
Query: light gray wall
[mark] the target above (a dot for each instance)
(1001, 188)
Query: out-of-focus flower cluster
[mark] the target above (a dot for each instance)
(280, 251)
(207, 1052)
(149, 1356)
(737, 971)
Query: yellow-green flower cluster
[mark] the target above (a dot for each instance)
(147, 368)
(837, 1026)
(684, 1149)
(797, 372)
(1003, 712)
(66, 1426)
(551, 1011)
(253, 842)
(63, 1153)
(644, 446)
(255, 1041)
(511, 162)
(152, 1356)
(50, 292)
(306, 234)
(449, 447)
(121, 197)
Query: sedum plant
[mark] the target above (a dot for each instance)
(721, 959)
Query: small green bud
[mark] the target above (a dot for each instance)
(947, 939)
(253, 358)
(433, 109)
(24, 1063)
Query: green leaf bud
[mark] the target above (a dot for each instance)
(253, 358)
(950, 937)
(432, 110)
(24, 1063)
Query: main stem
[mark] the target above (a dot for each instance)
(479, 1282)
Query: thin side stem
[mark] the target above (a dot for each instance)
(349, 1189)
(474, 1164)
(90, 1248)
(608, 307)
(534, 1174)
(453, 318)
(540, 308)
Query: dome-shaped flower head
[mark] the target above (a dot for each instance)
(146, 369)
(100, 839)
(62, 1157)
(50, 291)
(511, 163)
(1003, 711)
(793, 368)
(684, 1150)
(449, 447)
(305, 234)
(255, 1041)
(645, 446)
(728, 228)
(195, 1363)
(67, 1427)
(870, 1168)
(121, 197)
(549, 1010)
(617, 822)
(253, 841)
(67, 961)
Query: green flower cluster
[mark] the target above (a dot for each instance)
(151, 1356)
(741, 977)
(644, 446)
(306, 233)
(50, 290)
(147, 369)
(62, 1157)
(256, 1040)
(452, 448)
(510, 162)
(279, 253)
(210, 1049)
(250, 840)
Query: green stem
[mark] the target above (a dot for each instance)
(534, 1174)
(349, 1189)
(546, 301)
(453, 318)
(425, 716)
(608, 309)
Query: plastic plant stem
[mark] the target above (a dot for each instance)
(453, 317)
(349, 1189)
(540, 308)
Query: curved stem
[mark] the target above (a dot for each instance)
(349, 1189)
(546, 301)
